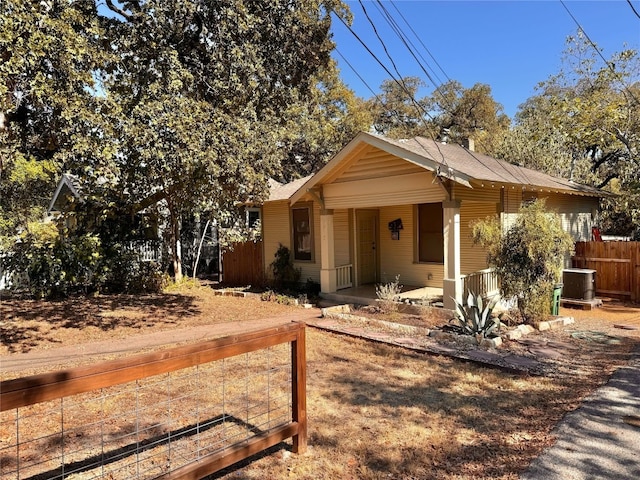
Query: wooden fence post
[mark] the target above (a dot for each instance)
(299, 390)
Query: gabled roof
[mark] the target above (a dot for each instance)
(69, 185)
(278, 191)
(450, 161)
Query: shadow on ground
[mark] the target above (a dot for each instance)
(27, 323)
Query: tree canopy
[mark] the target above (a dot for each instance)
(584, 124)
(152, 101)
(451, 112)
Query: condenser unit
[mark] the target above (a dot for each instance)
(579, 284)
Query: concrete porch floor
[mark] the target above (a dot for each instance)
(366, 295)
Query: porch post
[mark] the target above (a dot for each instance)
(452, 283)
(328, 281)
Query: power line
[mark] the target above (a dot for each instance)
(395, 27)
(410, 95)
(421, 42)
(595, 47)
(399, 83)
(633, 8)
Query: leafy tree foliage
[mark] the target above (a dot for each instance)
(469, 113)
(452, 111)
(398, 112)
(528, 257)
(584, 124)
(206, 90)
(48, 53)
(151, 101)
(320, 127)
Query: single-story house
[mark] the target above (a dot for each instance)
(382, 208)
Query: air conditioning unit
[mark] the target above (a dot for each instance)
(579, 284)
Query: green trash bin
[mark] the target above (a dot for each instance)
(555, 303)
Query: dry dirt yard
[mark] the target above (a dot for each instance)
(375, 411)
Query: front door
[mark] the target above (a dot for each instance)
(367, 238)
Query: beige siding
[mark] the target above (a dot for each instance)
(277, 230)
(311, 270)
(374, 163)
(392, 190)
(342, 238)
(397, 256)
(511, 199)
(473, 257)
(479, 193)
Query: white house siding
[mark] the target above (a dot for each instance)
(473, 257)
(397, 256)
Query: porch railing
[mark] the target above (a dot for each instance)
(483, 282)
(146, 250)
(344, 277)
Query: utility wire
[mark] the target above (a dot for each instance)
(409, 45)
(401, 84)
(416, 104)
(391, 21)
(633, 8)
(419, 40)
(595, 47)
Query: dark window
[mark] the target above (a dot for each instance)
(430, 233)
(301, 218)
(253, 217)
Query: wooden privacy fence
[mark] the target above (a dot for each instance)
(242, 264)
(617, 266)
(180, 413)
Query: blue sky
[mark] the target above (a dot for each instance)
(510, 45)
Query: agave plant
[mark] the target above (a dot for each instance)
(475, 319)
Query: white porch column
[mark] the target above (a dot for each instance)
(328, 281)
(452, 283)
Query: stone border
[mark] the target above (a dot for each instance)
(343, 312)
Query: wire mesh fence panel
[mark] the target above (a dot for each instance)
(152, 425)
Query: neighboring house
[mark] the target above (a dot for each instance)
(70, 190)
(383, 207)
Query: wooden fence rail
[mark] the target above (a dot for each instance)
(617, 266)
(28, 392)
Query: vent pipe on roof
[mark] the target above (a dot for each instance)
(469, 144)
(444, 136)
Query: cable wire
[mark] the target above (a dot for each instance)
(633, 8)
(595, 47)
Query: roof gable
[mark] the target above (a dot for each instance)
(68, 187)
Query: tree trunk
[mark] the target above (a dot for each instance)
(174, 221)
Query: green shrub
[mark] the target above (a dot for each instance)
(528, 257)
(285, 275)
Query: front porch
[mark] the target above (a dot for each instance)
(366, 295)
(483, 282)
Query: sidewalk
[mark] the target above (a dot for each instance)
(601, 439)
